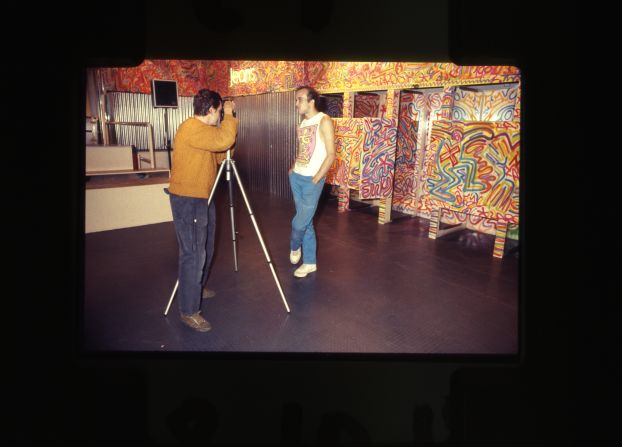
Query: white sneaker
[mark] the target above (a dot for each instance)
(294, 256)
(304, 270)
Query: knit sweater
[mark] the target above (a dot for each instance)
(197, 150)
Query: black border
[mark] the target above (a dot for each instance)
(44, 195)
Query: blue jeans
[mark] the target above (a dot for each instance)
(306, 196)
(195, 226)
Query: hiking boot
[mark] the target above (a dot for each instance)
(196, 322)
(294, 256)
(304, 270)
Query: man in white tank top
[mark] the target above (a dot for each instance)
(314, 156)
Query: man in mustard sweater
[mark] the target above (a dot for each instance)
(199, 146)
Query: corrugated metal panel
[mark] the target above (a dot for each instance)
(137, 107)
(266, 144)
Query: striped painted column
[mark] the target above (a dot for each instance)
(517, 105)
(393, 103)
(343, 199)
(392, 107)
(384, 210)
(435, 221)
(347, 105)
(500, 233)
(447, 102)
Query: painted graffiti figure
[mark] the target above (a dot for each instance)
(314, 157)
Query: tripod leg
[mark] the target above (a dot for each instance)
(209, 200)
(172, 296)
(265, 251)
(233, 236)
(211, 194)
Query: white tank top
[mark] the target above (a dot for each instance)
(311, 148)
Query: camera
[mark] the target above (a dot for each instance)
(222, 111)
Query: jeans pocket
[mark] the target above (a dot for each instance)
(192, 215)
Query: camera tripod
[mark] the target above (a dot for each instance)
(229, 165)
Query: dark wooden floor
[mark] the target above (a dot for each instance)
(378, 288)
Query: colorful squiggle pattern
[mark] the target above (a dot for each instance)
(268, 76)
(488, 72)
(365, 156)
(477, 223)
(333, 76)
(378, 158)
(334, 106)
(366, 105)
(498, 105)
(191, 76)
(467, 105)
(404, 198)
(277, 76)
(491, 105)
(428, 106)
(349, 139)
(348, 98)
(391, 108)
(340, 76)
(473, 168)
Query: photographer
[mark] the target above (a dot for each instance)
(200, 145)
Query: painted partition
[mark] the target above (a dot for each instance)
(378, 158)
(473, 172)
(473, 167)
(406, 156)
(365, 156)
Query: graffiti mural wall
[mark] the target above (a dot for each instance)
(353, 76)
(451, 139)
(474, 168)
(191, 76)
(237, 78)
(256, 77)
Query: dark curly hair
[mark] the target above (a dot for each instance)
(204, 100)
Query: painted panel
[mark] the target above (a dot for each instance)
(349, 138)
(467, 105)
(474, 168)
(334, 106)
(498, 105)
(378, 158)
(366, 105)
(404, 199)
(485, 105)
(404, 184)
